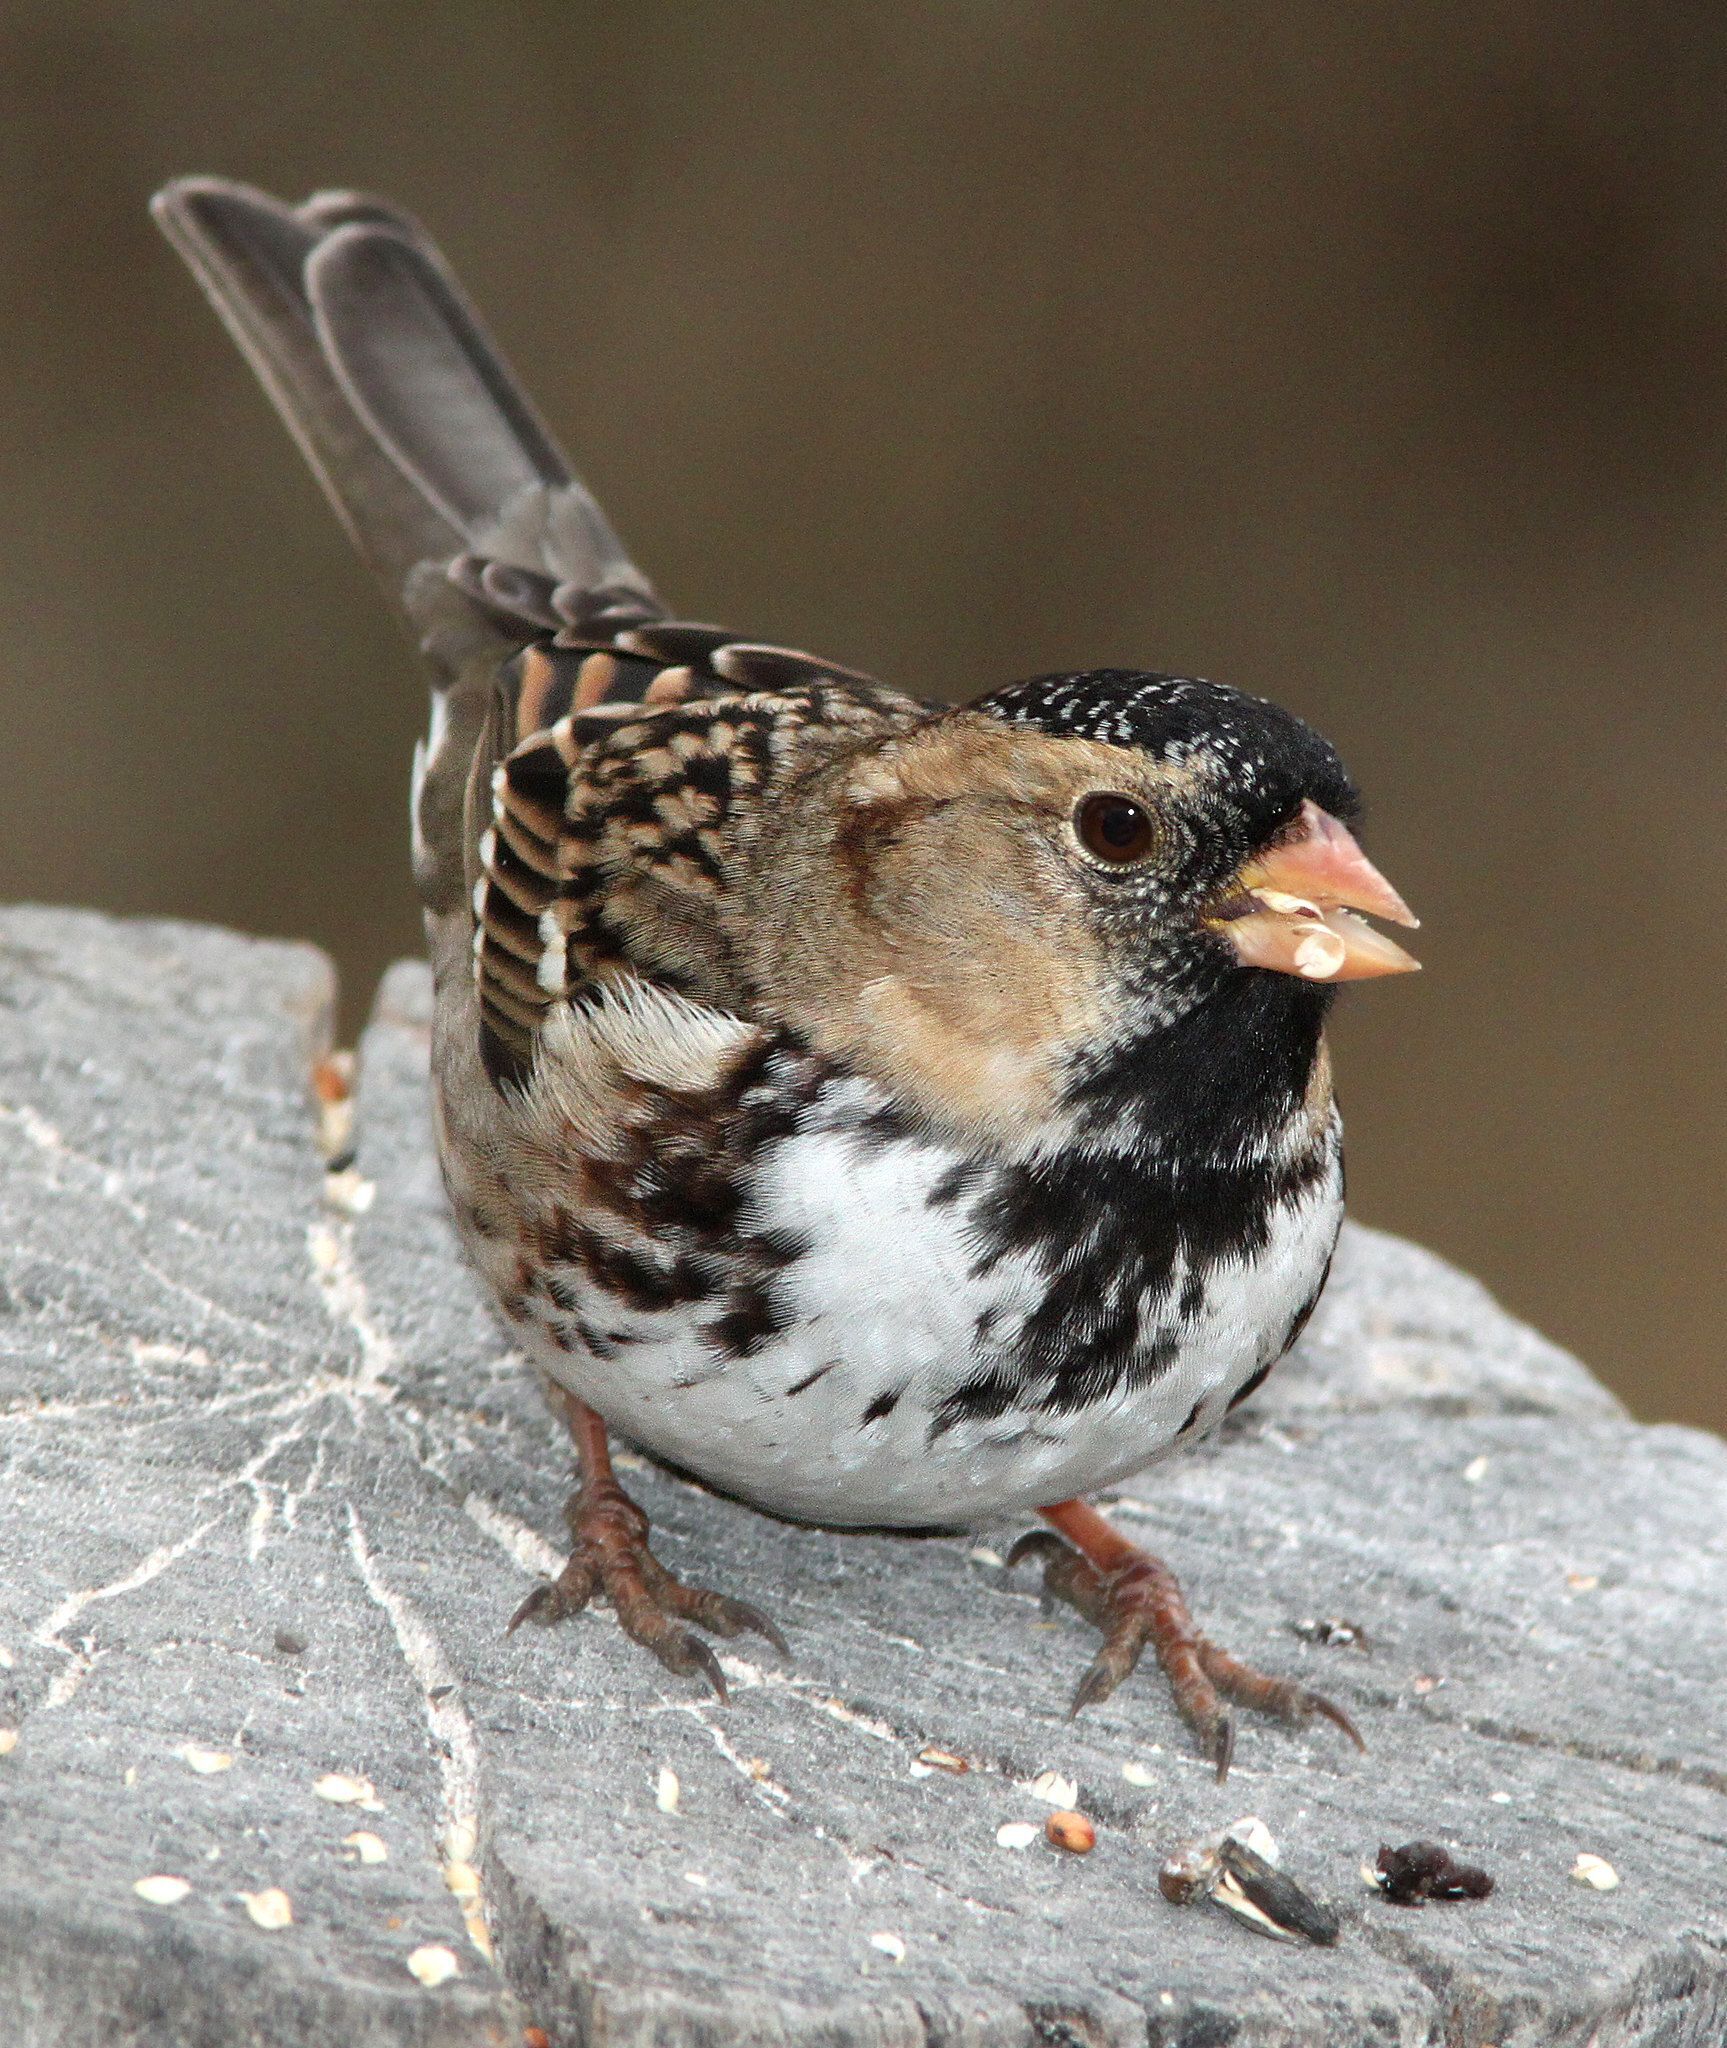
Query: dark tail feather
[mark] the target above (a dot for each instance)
(417, 431)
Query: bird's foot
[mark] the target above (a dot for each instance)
(611, 1558)
(1135, 1599)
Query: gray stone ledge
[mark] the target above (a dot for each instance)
(236, 1414)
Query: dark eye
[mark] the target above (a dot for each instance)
(1114, 828)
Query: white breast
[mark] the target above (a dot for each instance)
(831, 1420)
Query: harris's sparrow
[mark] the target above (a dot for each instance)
(892, 1114)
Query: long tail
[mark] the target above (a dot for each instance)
(411, 421)
(435, 462)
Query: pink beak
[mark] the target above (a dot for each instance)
(1303, 892)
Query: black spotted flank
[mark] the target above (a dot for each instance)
(882, 1407)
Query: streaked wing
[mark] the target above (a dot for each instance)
(626, 755)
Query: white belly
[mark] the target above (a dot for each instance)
(887, 1302)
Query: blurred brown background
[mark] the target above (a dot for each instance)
(1371, 358)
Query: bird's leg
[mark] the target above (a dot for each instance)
(1135, 1599)
(611, 1558)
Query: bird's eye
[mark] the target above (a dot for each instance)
(1113, 828)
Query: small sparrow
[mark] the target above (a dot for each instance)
(894, 1114)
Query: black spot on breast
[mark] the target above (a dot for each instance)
(752, 1315)
(809, 1379)
(881, 1407)
(1192, 1417)
(979, 1400)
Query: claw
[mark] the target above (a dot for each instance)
(1035, 1543)
(686, 1653)
(612, 1557)
(1134, 1600)
(1317, 1703)
(752, 1621)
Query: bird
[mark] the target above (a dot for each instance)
(892, 1114)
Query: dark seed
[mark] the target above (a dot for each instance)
(1420, 1871)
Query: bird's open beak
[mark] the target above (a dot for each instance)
(1289, 909)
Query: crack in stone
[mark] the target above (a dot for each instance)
(49, 1633)
(454, 1738)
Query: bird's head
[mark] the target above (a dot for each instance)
(1069, 865)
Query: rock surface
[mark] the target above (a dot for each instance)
(273, 1482)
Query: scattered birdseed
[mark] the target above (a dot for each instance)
(129, 1777)
(341, 1790)
(162, 1891)
(1139, 1774)
(1237, 1871)
(8, 1741)
(890, 1945)
(667, 1790)
(461, 1841)
(1334, 1631)
(944, 1760)
(206, 1762)
(434, 1965)
(366, 1846)
(350, 1191)
(1016, 1834)
(1596, 1872)
(980, 1553)
(1420, 1871)
(1500, 1798)
(536, 2037)
(1582, 1582)
(1053, 1789)
(268, 1909)
(696, 1878)
(1475, 1471)
(1071, 1831)
(463, 1880)
(1425, 1682)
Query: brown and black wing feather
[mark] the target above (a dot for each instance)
(614, 820)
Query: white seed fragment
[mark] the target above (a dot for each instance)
(1016, 1834)
(130, 1777)
(350, 1191)
(948, 1760)
(464, 1881)
(1252, 1833)
(1053, 1789)
(161, 1890)
(1139, 1774)
(1475, 1471)
(1582, 1582)
(461, 1841)
(980, 1553)
(206, 1762)
(667, 1790)
(696, 1878)
(366, 1846)
(1319, 953)
(342, 1790)
(1595, 1871)
(1500, 1798)
(889, 1944)
(268, 1909)
(8, 1741)
(434, 1965)
(1372, 1877)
